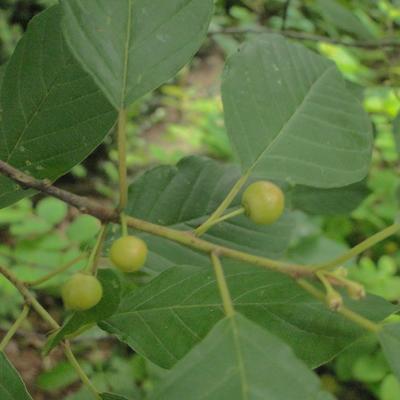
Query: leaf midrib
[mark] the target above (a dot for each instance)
(126, 56)
(239, 358)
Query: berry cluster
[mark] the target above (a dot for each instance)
(263, 203)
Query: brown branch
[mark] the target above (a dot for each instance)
(185, 238)
(366, 44)
(83, 204)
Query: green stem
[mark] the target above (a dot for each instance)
(360, 248)
(124, 225)
(56, 272)
(93, 261)
(31, 300)
(230, 215)
(11, 332)
(205, 226)
(347, 313)
(190, 240)
(122, 167)
(74, 362)
(222, 285)
(42, 312)
(106, 214)
(327, 285)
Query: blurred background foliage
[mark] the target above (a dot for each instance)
(184, 116)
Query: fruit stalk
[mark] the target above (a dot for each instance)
(56, 272)
(223, 206)
(346, 312)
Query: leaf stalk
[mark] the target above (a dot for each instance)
(222, 285)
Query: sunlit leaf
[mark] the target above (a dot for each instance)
(396, 132)
(343, 18)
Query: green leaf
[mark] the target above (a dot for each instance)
(389, 338)
(370, 368)
(396, 132)
(329, 201)
(31, 226)
(289, 115)
(11, 385)
(337, 15)
(355, 89)
(316, 250)
(83, 228)
(80, 320)
(183, 196)
(54, 116)
(112, 396)
(2, 72)
(57, 378)
(238, 360)
(131, 47)
(52, 210)
(390, 388)
(164, 319)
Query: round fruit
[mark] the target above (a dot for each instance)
(128, 253)
(263, 202)
(81, 292)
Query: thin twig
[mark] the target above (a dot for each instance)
(346, 312)
(82, 374)
(360, 248)
(367, 44)
(224, 204)
(45, 186)
(97, 249)
(56, 272)
(15, 326)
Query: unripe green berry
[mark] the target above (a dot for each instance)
(81, 292)
(263, 202)
(128, 253)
